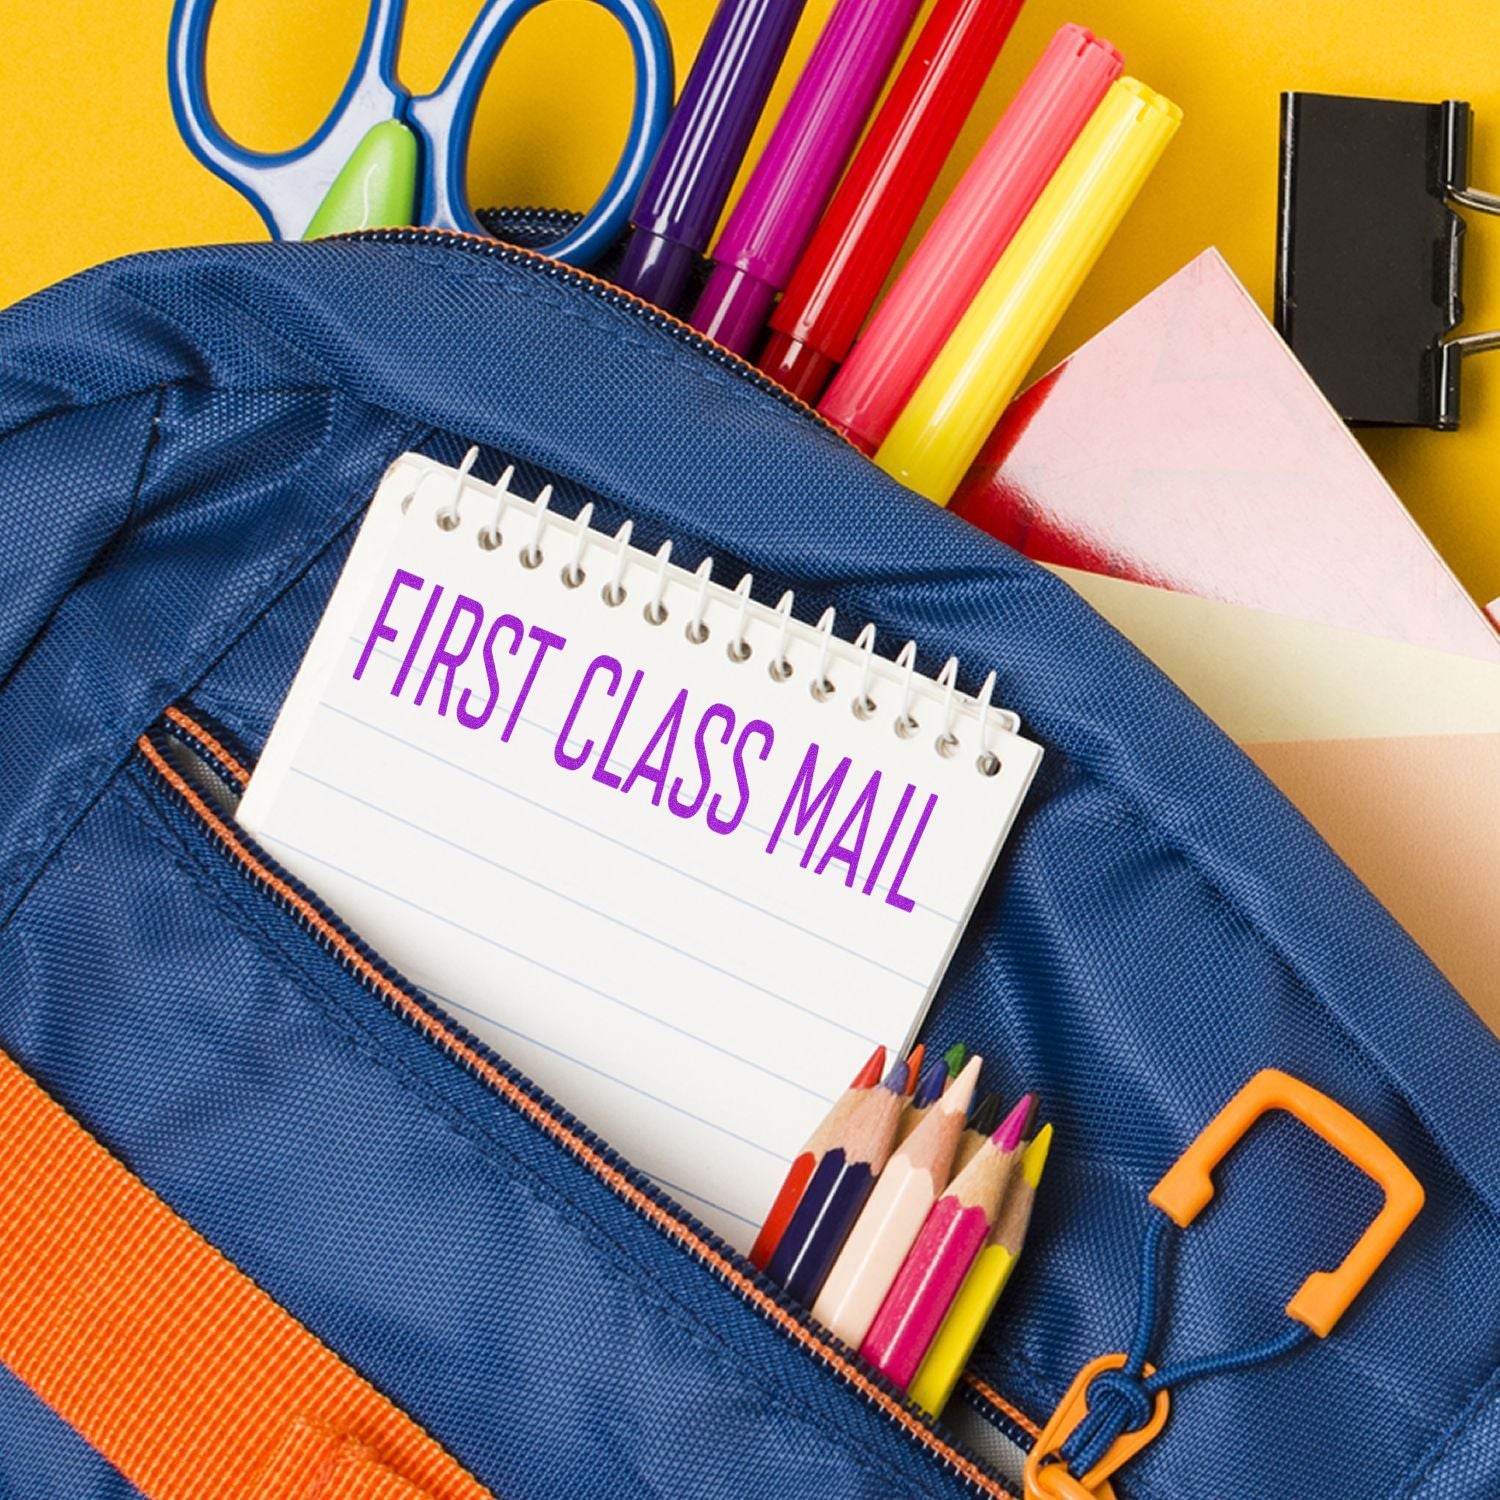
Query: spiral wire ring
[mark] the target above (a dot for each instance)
(864, 705)
(531, 554)
(988, 762)
(906, 725)
(947, 742)
(739, 647)
(614, 590)
(490, 536)
(656, 611)
(447, 517)
(822, 687)
(781, 666)
(697, 631)
(572, 572)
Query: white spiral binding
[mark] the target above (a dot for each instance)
(707, 596)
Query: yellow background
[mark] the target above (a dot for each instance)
(95, 167)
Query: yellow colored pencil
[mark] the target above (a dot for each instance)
(976, 1299)
(942, 428)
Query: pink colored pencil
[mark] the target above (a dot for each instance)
(932, 1273)
(890, 1222)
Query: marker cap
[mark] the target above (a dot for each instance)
(732, 310)
(657, 268)
(802, 369)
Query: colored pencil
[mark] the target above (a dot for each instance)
(928, 1091)
(983, 1285)
(955, 1057)
(838, 1189)
(799, 1174)
(894, 1216)
(914, 1067)
(981, 1127)
(951, 1239)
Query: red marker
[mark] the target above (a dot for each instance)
(967, 237)
(846, 263)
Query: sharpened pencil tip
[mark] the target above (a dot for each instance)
(954, 1058)
(986, 1114)
(931, 1084)
(869, 1075)
(914, 1065)
(961, 1091)
(1034, 1157)
(1008, 1136)
(895, 1080)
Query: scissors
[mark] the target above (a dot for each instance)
(387, 157)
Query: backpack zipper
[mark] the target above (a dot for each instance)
(626, 1182)
(556, 220)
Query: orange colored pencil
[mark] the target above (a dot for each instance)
(914, 1067)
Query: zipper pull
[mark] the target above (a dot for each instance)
(1129, 1397)
(1047, 1476)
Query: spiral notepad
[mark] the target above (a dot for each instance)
(678, 855)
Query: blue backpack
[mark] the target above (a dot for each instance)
(189, 439)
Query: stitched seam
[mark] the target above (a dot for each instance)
(1000, 1404)
(610, 1175)
(538, 1190)
(1483, 1395)
(95, 771)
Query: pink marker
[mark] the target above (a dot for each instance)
(955, 1232)
(968, 236)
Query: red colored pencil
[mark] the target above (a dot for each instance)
(806, 1161)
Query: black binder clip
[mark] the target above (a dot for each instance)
(1369, 253)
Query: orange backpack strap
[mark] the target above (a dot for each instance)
(172, 1363)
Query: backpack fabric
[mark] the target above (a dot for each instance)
(187, 442)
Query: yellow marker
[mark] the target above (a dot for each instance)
(981, 1289)
(942, 428)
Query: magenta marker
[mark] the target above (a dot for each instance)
(790, 186)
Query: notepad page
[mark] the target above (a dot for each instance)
(684, 895)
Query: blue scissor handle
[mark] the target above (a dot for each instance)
(444, 120)
(285, 186)
(288, 186)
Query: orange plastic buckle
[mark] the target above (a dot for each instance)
(1047, 1476)
(1322, 1299)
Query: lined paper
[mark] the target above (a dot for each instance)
(580, 834)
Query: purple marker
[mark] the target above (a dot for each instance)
(791, 183)
(710, 130)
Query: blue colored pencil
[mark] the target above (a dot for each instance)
(838, 1191)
